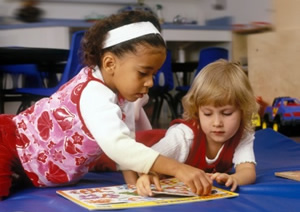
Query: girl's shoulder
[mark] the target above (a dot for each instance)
(247, 137)
(189, 123)
(181, 130)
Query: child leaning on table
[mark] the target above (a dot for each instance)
(55, 141)
(215, 132)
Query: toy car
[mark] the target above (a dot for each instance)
(283, 114)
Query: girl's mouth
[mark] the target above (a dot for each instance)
(140, 95)
(218, 132)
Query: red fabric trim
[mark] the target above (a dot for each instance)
(8, 154)
(197, 153)
(150, 137)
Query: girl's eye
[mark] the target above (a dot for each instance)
(227, 113)
(207, 114)
(142, 73)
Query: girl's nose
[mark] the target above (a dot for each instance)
(217, 121)
(149, 82)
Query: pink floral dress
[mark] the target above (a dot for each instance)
(55, 146)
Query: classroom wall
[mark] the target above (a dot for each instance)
(242, 11)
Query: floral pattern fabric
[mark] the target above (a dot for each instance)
(56, 148)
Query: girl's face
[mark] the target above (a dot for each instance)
(133, 73)
(219, 123)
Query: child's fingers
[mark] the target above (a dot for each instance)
(194, 189)
(147, 189)
(202, 186)
(220, 177)
(209, 174)
(214, 175)
(233, 187)
(199, 187)
(157, 183)
(207, 184)
(143, 186)
(144, 190)
(225, 179)
(231, 182)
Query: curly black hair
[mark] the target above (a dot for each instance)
(92, 43)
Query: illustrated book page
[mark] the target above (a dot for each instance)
(124, 196)
(292, 175)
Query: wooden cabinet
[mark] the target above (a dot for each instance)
(273, 57)
(273, 64)
(239, 48)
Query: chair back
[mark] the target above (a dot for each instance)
(28, 74)
(163, 83)
(164, 77)
(73, 65)
(209, 55)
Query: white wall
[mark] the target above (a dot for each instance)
(246, 11)
(242, 11)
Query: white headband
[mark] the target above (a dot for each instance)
(128, 32)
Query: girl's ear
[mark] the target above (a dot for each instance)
(109, 63)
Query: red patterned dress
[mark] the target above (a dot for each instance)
(55, 146)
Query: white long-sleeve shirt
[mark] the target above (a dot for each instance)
(103, 118)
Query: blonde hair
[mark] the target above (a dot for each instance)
(221, 83)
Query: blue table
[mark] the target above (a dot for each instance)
(21, 55)
(274, 152)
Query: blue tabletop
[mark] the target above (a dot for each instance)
(274, 152)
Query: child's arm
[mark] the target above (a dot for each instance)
(130, 177)
(245, 174)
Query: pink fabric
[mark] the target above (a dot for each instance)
(56, 147)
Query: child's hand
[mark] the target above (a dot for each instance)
(225, 179)
(196, 179)
(143, 184)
